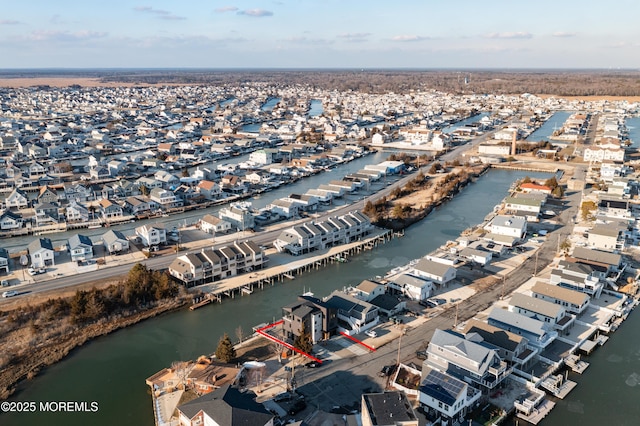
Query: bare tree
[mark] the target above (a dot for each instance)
(182, 370)
(239, 333)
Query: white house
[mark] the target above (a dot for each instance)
(41, 253)
(152, 235)
(437, 272)
(214, 225)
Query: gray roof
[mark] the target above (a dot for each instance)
(560, 293)
(433, 268)
(509, 221)
(597, 256)
(539, 306)
(229, 406)
(79, 240)
(411, 280)
(111, 236)
(40, 243)
(493, 335)
(472, 356)
(517, 320)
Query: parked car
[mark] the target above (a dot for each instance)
(5, 283)
(313, 364)
(10, 293)
(371, 333)
(32, 272)
(387, 370)
(421, 355)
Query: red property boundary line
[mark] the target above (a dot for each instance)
(261, 332)
(360, 342)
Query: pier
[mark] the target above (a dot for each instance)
(247, 284)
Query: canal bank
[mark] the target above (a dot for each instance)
(111, 370)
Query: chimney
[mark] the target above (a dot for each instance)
(513, 142)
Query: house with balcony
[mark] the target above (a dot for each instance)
(210, 190)
(575, 302)
(80, 247)
(411, 286)
(239, 215)
(76, 212)
(603, 263)
(17, 199)
(542, 310)
(577, 276)
(608, 237)
(511, 347)
(506, 230)
(165, 198)
(539, 334)
(108, 209)
(4, 260)
(319, 320)
(354, 315)
(449, 352)
(10, 220)
(444, 396)
(152, 234)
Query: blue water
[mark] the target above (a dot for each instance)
(315, 108)
(633, 125)
(545, 131)
(270, 104)
(464, 122)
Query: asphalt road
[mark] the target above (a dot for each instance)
(262, 238)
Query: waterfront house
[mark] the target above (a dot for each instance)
(109, 209)
(225, 406)
(41, 253)
(99, 173)
(213, 225)
(47, 195)
(476, 256)
(10, 220)
(368, 290)
(168, 180)
(387, 408)
(529, 187)
(115, 242)
(573, 301)
(444, 396)
(607, 237)
(524, 205)
(354, 316)
(239, 215)
(18, 199)
(542, 310)
(165, 198)
(439, 273)
(506, 230)
(36, 170)
(603, 262)
(411, 286)
(285, 208)
(314, 314)
(209, 190)
(136, 205)
(80, 247)
(76, 212)
(510, 347)
(577, 276)
(4, 260)
(148, 183)
(152, 234)
(449, 352)
(46, 214)
(537, 333)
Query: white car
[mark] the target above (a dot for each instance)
(32, 272)
(10, 293)
(371, 333)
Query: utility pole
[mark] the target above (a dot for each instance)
(504, 278)
(535, 269)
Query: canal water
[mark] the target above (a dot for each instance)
(633, 126)
(15, 244)
(315, 108)
(112, 369)
(465, 122)
(544, 132)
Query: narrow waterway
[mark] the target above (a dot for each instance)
(465, 122)
(112, 370)
(544, 132)
(16, 244)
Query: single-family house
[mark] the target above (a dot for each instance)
(213, 225)
(538, 334)
(4, 260)
(506, 230)
(109, 209)
(210, 190)
(76, 212)
(437, 272)
(573, 301)
(449, 352)
(10, 220)
(577, 276)
(444, 396)
(387, 408)
(225, 406)
(17, 199)
(542, 310)
(353, 315)
(41, 253)
(152, 234)
(413, 287)
(510, 346)
(115, 242)
(80, 247)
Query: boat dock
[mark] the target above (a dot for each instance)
(246, 284)
(574, 362)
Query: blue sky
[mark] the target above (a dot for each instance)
(320, 34)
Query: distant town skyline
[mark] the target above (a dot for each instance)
(320, 34)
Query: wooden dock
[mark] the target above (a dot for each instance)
(574, 362)
(248, 283)
(538, 413)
